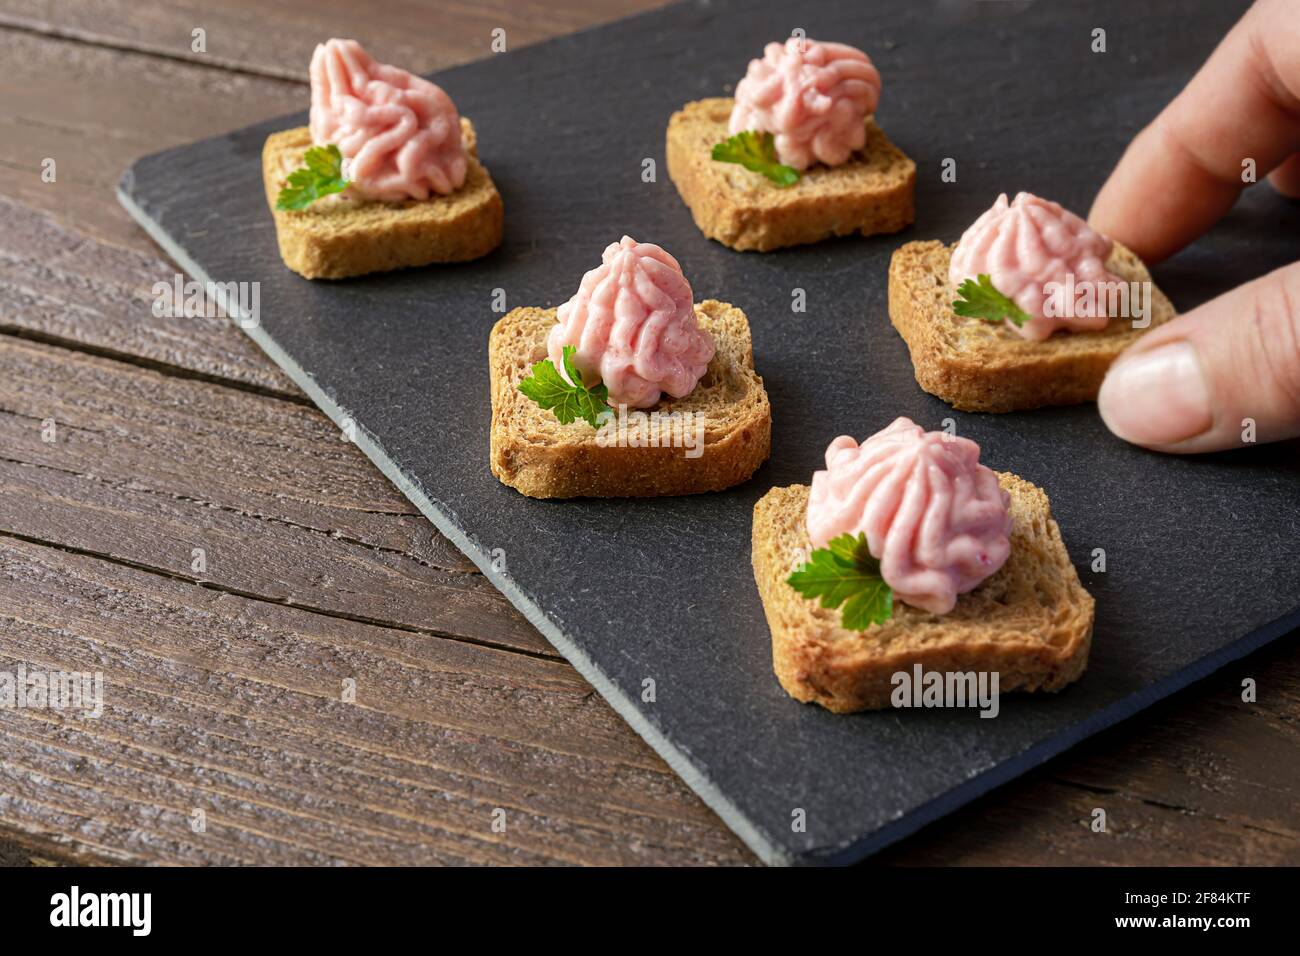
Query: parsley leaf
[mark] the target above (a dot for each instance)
(979, 300)
(756, 152)
(547, 388)
(844, 572)
(320, 175)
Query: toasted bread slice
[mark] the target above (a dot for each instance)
(979, 366)
(341, 235)
(533, 453)
(871, 193)
(1031, 621)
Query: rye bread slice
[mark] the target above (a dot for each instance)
(337, 237)
(979, 366)
(532, 452)
(871, 193)
(1031, 621)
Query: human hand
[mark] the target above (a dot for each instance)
(1189, 385)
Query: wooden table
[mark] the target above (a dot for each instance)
(223, 685)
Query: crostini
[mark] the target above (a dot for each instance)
(906, 552)
(796, 157)
(386, 176)
(629, 389)
(1028, 309)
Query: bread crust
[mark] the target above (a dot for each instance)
(978, 366)
(1031, 621)
(533, 453)
(334, 238)
(872, 193)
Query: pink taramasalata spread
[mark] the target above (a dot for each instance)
(935, 518)
(399, 134)
(812, 97)
(633, 323)
(1024, 245)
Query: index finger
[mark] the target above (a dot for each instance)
(1184, 171)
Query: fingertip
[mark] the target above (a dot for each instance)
(1158, 398)
(1224, 375)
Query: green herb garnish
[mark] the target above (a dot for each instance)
(756, 152)
(548, 388)
(979, 300)
(844, 572)
(320, 175)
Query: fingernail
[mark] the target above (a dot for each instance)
(1158, 397)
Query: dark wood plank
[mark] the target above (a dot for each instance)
(147, 467)
(276, 39)
(93, 110)
(13, 853)
(60, 285)
(245, 720)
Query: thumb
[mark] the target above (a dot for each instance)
(1198, 382)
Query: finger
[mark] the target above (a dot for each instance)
(1184, 171)
(1286, 178)
(1200, 382)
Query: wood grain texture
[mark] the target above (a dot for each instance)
(233, 705)
(93, 109)
(276, 39)
(271, 521)
(57, 285)
(223, 688)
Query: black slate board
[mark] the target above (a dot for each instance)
(1201, 553)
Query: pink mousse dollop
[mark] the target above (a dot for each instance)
(935, 518)
(399, 134)
(633, 323)
(812, 97)
(1026, 244)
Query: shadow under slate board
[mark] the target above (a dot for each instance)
(1201, 555)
